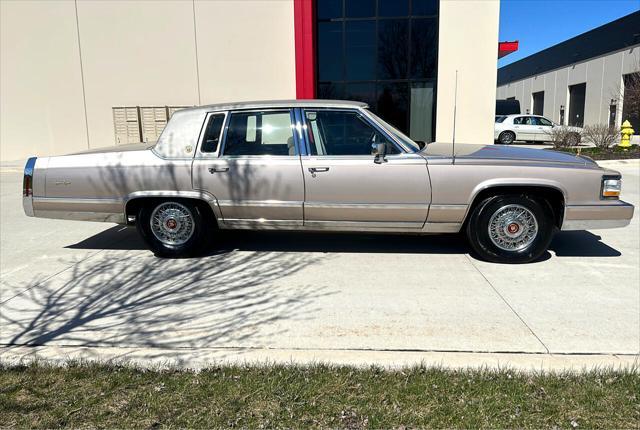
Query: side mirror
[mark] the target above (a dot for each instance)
(421, 143)
(378, 150)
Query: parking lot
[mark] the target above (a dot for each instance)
(70, 286)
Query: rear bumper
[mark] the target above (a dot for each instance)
(612, 215)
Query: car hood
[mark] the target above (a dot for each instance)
(502, 152)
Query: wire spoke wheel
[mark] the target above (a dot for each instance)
(172, 223)
(513, 227)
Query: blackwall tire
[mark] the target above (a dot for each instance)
(174, 228)
(510, 229)
(507, 137)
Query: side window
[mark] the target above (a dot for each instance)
(530, 120)
(544, 121)
(212, 133)
(343, 133)
(518, 120)
(260, 133)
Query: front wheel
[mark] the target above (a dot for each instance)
(510, 229)
(173, 228)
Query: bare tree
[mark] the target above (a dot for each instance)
(601, 135)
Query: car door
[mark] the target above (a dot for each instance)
(252, 167)
(543, 129)
(523, 127)
(344, 185)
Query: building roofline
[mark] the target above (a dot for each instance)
(611, 37)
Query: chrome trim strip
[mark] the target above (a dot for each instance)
(83, 216)
(442, 227)
(73, 200)
(358, 225)
(346, 226)
(447, 213)
(27, 200)
(260, 203)
(594, 224)
(393, 206)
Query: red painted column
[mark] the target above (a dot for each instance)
(303, 13)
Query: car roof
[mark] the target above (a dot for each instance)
(265, 104)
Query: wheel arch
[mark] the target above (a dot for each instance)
(553, 194)
(134, 201)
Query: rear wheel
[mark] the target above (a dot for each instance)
(507, 137)
(510, 229)
(173, 228)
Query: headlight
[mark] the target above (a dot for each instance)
(611, 186)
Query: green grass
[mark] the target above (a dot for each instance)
(613, 153)
(86, 395)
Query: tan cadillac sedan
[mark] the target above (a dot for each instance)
(329, 166)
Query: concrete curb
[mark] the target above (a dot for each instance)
(192, 358)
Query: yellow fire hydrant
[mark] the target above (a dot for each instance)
(626, 131)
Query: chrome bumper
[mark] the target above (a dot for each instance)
(588, 217)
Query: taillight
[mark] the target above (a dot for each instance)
(27, 180)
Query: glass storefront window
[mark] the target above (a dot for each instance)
(384, 53)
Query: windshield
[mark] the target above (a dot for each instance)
(396, 133)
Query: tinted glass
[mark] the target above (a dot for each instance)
(392, 104)
(360, 8)
(500, 118)
(362, 92)
(343, 133)
(328, 9)
(518, 120)
(360, 50)
(393, 7)
(393, 47)
(424, 7)
(212, 133)
(544, 121)
(259, 133)
(424, 48)
(330, 48)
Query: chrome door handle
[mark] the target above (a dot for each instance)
(318, 169)
(218, 169)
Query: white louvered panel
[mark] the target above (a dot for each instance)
(154, 119)
(125, 121)
(172, 109)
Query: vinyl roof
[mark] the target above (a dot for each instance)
(614, 36)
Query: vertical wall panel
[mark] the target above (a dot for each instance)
(135, 53)
(41, 106)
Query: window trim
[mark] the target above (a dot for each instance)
(367, 119)
(292, 122)
(203, 130)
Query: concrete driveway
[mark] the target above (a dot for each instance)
(71, 286)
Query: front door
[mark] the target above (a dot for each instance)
(543, 129)
(252, 168)
(344, 185)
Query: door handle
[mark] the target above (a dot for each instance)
(314, 170)
(213, 170)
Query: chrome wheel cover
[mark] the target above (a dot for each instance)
(172, 223)
(513, 228)
(507, 138)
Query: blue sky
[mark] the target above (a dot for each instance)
(539, 24)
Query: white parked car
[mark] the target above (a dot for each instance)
(530, 128)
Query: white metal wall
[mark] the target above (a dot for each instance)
(65, 64)
(603, 76)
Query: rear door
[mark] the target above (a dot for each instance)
(252, 166)
(346, 188)
(524, 128)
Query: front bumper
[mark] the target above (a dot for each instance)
(612, 215)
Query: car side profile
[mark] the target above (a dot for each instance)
(323, 165)
(530, 128)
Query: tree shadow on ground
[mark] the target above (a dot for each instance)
(113, 299)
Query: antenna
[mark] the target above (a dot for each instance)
(455, 108)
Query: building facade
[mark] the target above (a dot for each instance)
(582, 81)
(83, 74)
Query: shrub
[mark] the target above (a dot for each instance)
(601, 135)
(563, 136)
